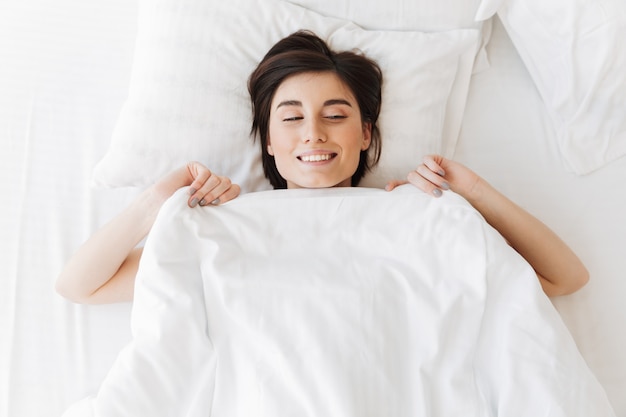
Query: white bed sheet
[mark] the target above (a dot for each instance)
(508, 138)
(64, 73)
(63, 78)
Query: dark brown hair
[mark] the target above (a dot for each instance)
(303, 52)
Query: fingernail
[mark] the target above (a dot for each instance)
(445, 185)
(202, 202)
(194, 202)
(216, 201)
(192, 191)
(441, 172)
(437, 192)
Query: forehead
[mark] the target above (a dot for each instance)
(313, 86)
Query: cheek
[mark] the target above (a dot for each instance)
(275, 134)
(278, 141)
(357, 138)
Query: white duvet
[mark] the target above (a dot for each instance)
(336, 303)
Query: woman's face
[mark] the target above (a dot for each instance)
(316, 133)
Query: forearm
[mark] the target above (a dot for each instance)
(557, 266)
(559, 270)
(103, 269)
(100, 258)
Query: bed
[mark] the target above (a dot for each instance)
(514, 95)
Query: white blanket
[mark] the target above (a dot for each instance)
(341, 302)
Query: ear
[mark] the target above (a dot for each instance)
(367, 135)
(270, 151)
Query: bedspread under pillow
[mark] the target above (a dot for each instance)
(188, 96)
(574, 52)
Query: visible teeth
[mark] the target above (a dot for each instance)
(315, 158)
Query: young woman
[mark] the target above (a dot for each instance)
(315, 113)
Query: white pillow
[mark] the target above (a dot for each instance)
(407, 15)
(575, 52)
(188, 96)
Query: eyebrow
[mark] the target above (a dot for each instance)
(330, 102)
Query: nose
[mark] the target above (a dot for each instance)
(314, 132)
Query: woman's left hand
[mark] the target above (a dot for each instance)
(436, 174)
(558, 268)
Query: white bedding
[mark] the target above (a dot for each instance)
(341, 302)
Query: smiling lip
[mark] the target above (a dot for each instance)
(317, 157)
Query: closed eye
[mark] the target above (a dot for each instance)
(292, 119)
(336, 117)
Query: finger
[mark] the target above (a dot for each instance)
(424, 184)
(200, 178)
(224, 191)
(231, 193)
(431, 163)
(203, 193)
(394, 183)
(433, 177)
(211, 189)
(199, 173)
(228, 194)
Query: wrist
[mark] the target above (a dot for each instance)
(169, 184)
(147, 205)
(476, 191)
(492, 204)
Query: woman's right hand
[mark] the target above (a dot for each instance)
(205, 187)
(209, 188)
(103, 269)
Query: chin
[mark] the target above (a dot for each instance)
(310, 181)
(316, 184)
